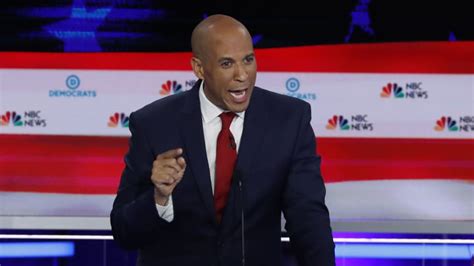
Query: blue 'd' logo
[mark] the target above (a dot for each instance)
(73, 82)
(292, 84)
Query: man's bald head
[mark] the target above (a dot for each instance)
(224, 59)
(211, 28)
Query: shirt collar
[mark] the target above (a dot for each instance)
(209, 110)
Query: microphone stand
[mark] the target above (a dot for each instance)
(242, 217)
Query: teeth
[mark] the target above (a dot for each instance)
(238, 94)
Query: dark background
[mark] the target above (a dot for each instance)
(146, 25)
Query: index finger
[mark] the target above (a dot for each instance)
(181, 162)
(170, 154)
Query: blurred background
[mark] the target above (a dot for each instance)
(157, 26)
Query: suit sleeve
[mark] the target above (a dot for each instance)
(306, 214)
(134, 217)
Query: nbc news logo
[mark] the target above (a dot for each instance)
(357, 123)
(412, 90)
(447, 123)
(30, 118)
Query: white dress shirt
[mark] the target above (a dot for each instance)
(211, 124)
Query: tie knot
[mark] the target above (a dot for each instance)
(226, 119)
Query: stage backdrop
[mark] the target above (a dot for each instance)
(394, 125)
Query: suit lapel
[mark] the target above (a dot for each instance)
(255, 124)
(195, 148)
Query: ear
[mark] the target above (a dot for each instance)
(197, 67)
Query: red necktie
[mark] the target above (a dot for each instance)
(226, 156)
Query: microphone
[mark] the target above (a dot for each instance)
(238, 177)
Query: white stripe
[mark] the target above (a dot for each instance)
(352, 95)
(283, 239)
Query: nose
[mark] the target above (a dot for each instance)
(241, 73)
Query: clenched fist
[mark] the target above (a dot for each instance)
(167, 172)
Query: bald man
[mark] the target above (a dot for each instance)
(210, 170)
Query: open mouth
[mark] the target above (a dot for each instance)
(239, 95)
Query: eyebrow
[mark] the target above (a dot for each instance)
(232, 59)
(226, 59)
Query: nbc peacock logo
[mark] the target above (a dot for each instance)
(392, 88)
(118, 119)
(11, 118)
(170, 87)
(446, 122)
(338, 121)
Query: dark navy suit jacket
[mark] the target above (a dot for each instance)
(279, 169)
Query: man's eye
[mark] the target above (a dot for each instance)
(226, 64)
(249, 59)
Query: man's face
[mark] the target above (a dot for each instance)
(229, 71)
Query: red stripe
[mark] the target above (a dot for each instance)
(61, 164)
(412, 57)
(346, 159)
(92, 165)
